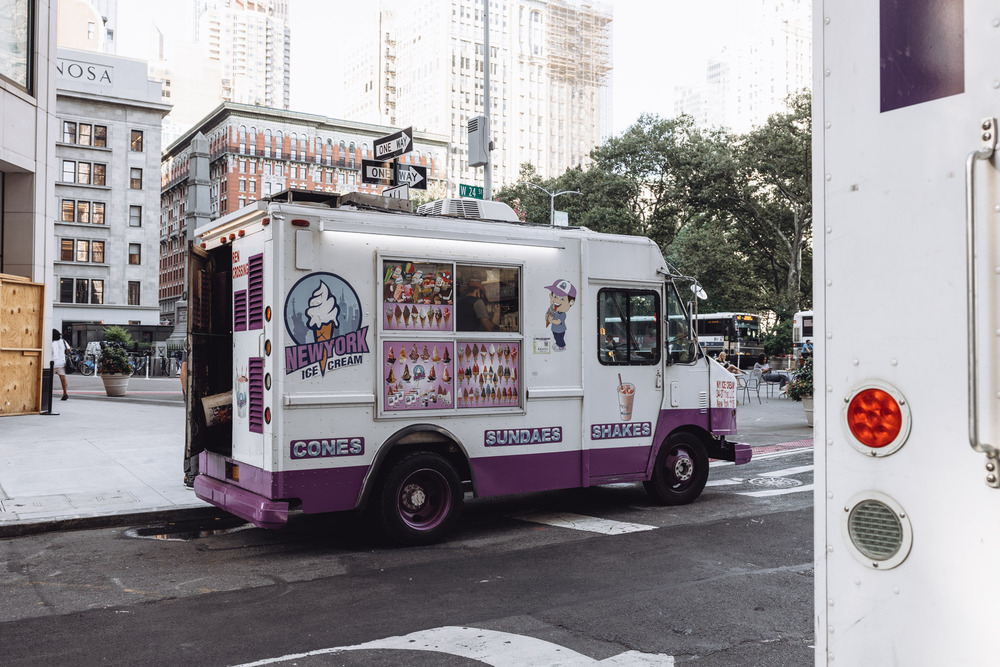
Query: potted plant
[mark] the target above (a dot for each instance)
(800, 388)
(113, 366)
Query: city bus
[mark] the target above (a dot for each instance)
(906, 190)
(736, 334)
(802, 332)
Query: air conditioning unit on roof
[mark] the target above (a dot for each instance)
(476, 209)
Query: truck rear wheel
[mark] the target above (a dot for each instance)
(680, 471)
(420, 499)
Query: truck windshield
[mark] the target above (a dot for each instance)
(680, 344)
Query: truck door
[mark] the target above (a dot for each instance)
(625, 389)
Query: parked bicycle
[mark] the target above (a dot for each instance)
(84, 363)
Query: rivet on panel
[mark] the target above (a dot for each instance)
(827, 21)
(895, 590)
(829, 283)
(855, 362)
(826, 73)
(830, 548)
(893, 362)
(857, 581)
(830, 602)
(829, 125)
(829, 388)
(829, 336)
(830, 495)
(829, 442)
(996, 84)
(829, 230)
(829, 177)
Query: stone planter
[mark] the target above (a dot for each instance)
(115, 384)
(807, 403)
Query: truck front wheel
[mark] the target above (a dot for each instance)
(680, 471)
(420, 499)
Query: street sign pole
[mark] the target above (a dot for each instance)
(488, 169)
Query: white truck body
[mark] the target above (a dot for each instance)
(907, 317)
(345, 330)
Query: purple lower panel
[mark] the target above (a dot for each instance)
(524, 473)
(324, 490)
(618, 461)
(672, 419)
(723, 421)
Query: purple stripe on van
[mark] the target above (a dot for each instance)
(618, 461)
(525, 473)
(723, 421)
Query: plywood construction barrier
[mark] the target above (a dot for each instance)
(22, 341)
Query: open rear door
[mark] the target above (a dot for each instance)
(210, 354)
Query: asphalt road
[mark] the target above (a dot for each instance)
(570, 577)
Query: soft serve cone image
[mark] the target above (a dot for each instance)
(323, 313)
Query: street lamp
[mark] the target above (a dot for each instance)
(552, 198)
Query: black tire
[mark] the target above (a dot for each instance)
(420, 499)
(86, 369)
(680, 471)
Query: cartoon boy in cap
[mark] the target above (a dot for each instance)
(562, 296)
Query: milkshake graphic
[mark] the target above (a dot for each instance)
(241, 394)
(626, 396)
(324, 316)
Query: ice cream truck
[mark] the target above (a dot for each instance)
(352, 355)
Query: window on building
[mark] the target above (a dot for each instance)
(136, 144)
(67, 250)
(16, 52)
(96, 292)
(83, 211)
(68, 210)
(82, 251)
(253, 186)
(243, 185)
(135, 216)
(82, 290)
(100, 174)
(69, 132)
(69, 171)
(133, 293)
(135, 253)
(83, 173)
(97, 252)
(101, 136)
(86, 134)
(97, 213)
(135, 178)
(66, 290)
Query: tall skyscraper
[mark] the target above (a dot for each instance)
(754, 76)
(422, 65)
(251, 40)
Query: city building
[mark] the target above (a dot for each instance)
(757, 73)
(88, 25)
(27, 207)
(241, 153)
(107, 148)
(422, 65)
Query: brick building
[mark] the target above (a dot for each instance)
(243, 153)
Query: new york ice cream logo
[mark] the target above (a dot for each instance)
(323, 318)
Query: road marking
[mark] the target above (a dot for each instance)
(761, 457)
(587, 523)
(787, 471)
(725, 482)
(499, 649)
(777, 492)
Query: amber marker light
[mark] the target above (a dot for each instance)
(878, 418)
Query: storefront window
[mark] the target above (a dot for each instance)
(16, 30)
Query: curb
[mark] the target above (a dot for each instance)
(109, 521)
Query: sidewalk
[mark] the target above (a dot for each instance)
(98, 458)
(101, 459)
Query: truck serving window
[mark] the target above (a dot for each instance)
(488, 298)
(628, 327)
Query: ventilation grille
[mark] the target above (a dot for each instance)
(240, 311)
(875, 530)
(255, 297)
(703, 401)
(474, 124)
(256, 402)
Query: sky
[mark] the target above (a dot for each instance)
(658, 44)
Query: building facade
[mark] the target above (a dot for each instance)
(250, 153)
(27, 161)
(550, 79)
(755, 76)
(108, 151)
(251, 41)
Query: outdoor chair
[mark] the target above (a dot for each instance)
(770, 385)
(751, 383)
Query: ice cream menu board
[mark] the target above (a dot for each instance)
(418, 375)
(486, 374)
(417, 296)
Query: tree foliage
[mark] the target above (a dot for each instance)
(734, 211)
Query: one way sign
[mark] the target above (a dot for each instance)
(378, 173)
(394, 145)
(413, 175)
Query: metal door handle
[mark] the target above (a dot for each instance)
(988, 129)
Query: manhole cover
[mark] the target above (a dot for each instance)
(181, 531)
(775, 482)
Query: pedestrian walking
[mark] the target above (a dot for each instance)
(59, 349)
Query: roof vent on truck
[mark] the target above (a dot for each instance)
(470, 208)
